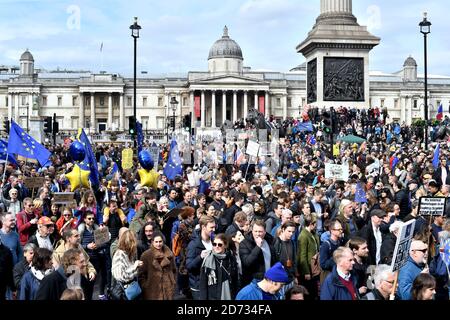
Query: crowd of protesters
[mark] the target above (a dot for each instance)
(222, 231)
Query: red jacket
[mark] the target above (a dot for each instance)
(25, 228)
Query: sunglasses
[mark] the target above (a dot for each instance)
(216, 244)
(49, 225)
(421, 250)
(89, 218)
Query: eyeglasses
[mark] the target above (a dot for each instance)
(30, 205)
(49, 225)
(67, 215)
(89, 218)
(421, 250)
(217, 244)
(390, 282)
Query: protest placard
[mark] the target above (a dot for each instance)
(101, 236)
(431, 206)
(252, 148)
(401, 251)
(336, 171)
(127, 158)
(63, 197)
(33, 182)
(154, 151)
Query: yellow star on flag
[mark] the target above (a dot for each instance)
(78, 178)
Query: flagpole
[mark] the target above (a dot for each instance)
(4, 167)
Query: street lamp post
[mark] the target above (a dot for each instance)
(425, 27)
(135, 34)
(173, 104)
(28, 118)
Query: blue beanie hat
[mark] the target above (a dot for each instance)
(277, 273)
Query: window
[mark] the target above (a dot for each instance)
(278, 102)
(395, 103)
(87, 101)
(160, 122)
(74, 100)
(144, 101)
(44, 101)
(438, 103)
(6, 101)
(415, 104)
(185, 101)
(303, 102)
(128, 101)
(227, 64)
(102, 101)
(160, 101)
(289, 102)
(59, 101)
(115, 101)
(370, 102)
(24, 100)
(382, 103)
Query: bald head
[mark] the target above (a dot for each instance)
(418, 251)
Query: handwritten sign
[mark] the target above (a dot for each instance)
(33, 182)
(101, 236)
(127, 158)
(401, 251)
(336, 171)
(63, 197)
(431, 206)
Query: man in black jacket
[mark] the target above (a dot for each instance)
(257, 253)
(372, 234)
(197, 250)
(6, 270)
(402, 198)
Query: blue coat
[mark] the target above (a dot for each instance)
(406, 277)
(333, 289)
(29, 286)
(253, 292)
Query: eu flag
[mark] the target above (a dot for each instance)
(4, 154)
(23, 144)
(140, 136)
(89, 162)
(305, 126)
(436, 156)
(173, 166)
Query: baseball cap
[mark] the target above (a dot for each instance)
(433, 183)
(45, 220)
(277, 273)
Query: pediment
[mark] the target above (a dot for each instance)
(228, 80)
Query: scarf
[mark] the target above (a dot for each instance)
(210, 263)
(39, 274)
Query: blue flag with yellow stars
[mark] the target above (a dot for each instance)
(173, 166)
(89, 162)
(23, 144)
(4, 154)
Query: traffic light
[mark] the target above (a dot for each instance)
(334, 121)
(327, 122)
(131, 125)
(6, 125)
(48, 125)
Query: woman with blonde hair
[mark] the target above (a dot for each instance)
(88, 203)
(125, 265)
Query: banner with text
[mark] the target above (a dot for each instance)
(336, 171)
(431, 206)
(401, 251)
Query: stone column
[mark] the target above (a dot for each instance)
(16, 110)
(81, 111)
(202, 106)
(10, 103)
(402, 109)
(191, 100)
(235, 106)
(334, 6)
(245, 104)
(93, 128)
(121, 113)
(266, 104)
(284, 103)
(110, 111)
(256, 101)
(224, 106)
(213, 108)
(30, 106)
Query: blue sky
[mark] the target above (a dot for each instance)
(177, 34)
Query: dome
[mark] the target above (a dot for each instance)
(410, 62)
(27, 56)
(225, 48)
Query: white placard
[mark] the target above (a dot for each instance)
(154, 151)
(336, 171)
(252, 148)
(431, 206)
(401, 251)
